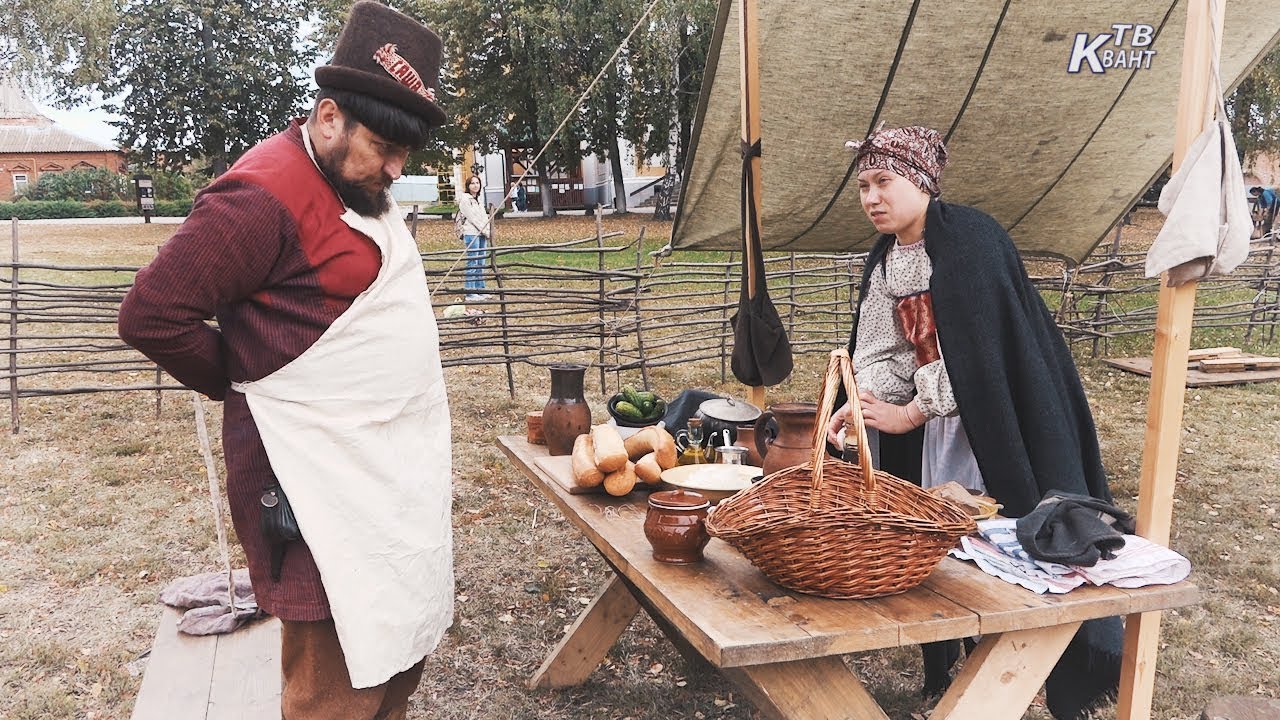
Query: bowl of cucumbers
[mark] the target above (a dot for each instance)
(636, 408)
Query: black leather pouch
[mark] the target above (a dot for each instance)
(279, 526)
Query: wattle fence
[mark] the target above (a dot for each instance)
(607, 302)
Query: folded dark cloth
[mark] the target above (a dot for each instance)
(1073, 529)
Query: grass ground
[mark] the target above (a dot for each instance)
(102, 503)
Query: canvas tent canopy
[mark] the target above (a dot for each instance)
(1055, 156)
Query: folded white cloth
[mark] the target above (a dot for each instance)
(1140, 562)
(1207, 225)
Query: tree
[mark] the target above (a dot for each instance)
(667, 64)
(204, 78)
(1254, 109)
(58, 45)
(497, 69)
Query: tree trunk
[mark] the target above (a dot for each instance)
(544, 185)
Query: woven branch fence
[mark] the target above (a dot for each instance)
(605, 302)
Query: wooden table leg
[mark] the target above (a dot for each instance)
(819, 689)
(696, 663)
(1001, 678)
(589, 638)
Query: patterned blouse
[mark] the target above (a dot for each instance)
(884, 358)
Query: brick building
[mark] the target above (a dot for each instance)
(31, 145)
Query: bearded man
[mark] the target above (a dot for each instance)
(326, 356)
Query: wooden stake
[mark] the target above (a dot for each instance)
(13, 333)
(1169, 366)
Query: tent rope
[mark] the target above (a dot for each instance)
(556, 133)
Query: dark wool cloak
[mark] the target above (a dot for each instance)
(1023, 408)
(1017, 388)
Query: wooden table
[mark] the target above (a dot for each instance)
(783, 648)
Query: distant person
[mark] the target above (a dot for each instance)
(522, 198)
(476, 228)
(1264, 208)
(326, 356)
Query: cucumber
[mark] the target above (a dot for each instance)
(631, 396)
(628, 411)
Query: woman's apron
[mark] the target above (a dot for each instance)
(357, 431)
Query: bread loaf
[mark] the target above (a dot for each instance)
(585, 472)
(621, 482)
(648, 470)
(655, 440)
(610, 452)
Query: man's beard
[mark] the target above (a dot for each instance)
(358, 197)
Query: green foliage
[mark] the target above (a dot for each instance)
(82, 186)
(205, 79)
(171, 185)
(514, 68)
(54, 209)
(1254, 109)
(170, 208)
(62, 209)
(59, 45)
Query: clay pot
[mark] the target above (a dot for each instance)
(675, 526)
(566, 414)
(793, 442)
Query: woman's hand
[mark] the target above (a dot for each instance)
(890, 418)
(836, 424)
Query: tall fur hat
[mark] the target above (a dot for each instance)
(387, 55)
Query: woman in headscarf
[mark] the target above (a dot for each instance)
(964, 375)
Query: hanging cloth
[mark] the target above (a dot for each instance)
(761, 351)
(1207, 222)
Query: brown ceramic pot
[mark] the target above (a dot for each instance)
(793, 443)
(674, 526)
(566, 414)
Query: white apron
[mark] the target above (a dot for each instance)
(357, 431)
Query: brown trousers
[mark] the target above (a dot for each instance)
(317, 686)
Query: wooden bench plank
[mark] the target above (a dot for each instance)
(246, 674)
(179, 673)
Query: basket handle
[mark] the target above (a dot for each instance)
(840, 368)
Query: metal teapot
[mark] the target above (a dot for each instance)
(721, 414)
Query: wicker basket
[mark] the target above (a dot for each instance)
(838, 530)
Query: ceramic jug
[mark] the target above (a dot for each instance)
(566, 414)
(793, 442)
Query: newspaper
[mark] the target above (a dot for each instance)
(996, 551)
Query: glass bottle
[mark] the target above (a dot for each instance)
(693, 452)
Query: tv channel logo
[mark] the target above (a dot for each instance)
(1126, 47)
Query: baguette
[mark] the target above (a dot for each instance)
(648, 470)
(585, 472)
(621, 482)
(653, 440)
(610, 452)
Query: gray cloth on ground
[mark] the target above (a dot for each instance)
(1073, 529)
(205, 599)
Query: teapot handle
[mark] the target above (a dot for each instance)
(764, 439)
(682, 440)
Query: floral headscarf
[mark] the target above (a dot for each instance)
(917, 153)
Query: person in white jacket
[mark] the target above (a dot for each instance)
(475, 228)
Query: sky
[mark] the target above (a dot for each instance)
(88, 122)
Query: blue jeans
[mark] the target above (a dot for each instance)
(476, 255)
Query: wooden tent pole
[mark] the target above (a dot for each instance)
(1169, 366)
(750, 96)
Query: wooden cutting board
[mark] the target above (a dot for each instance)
(560, 469)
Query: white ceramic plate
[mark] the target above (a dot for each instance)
(716, 481)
